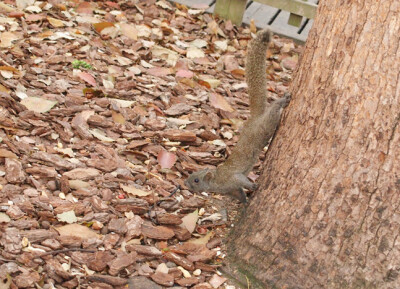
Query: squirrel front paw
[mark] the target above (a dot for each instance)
(254, 187)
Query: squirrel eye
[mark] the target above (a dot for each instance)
(196, 180)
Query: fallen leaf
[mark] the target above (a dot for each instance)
(190, 220)
(97, 133)
(67, 217)
(221, 45)
(166, 159)
(216, 281)
(39, 105)
(203, 240)
(171, 57)
(134, 191)
(87, 77)
(194, 52)
(218, 101)
(143, 30)
(118, 117)
(129, 31)
(101, 25)
(4, 218)
(212, 82)
(122, 103)
(55, 22)
(199, 43)
(7, 39)
(76, 230)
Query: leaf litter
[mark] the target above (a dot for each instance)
(105, 108)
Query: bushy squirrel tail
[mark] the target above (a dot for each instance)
(256, 71)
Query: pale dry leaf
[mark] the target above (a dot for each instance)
(171, 57)
(122, 103)
(216, 281)
(61, 34)
(66, 151)
(6, 74)
(212, 82)
(143, 31)
(203, 240)
(214, 27)
(7, 39)
(118, 117)
(221, 45)
(55, 22)
(37, 104)
(4, 218)
(67, 217)
(33, 9)
(108, 84)
(190, 220)
(99, 134)
(195, 11)
(164, 4)
(130, 190)
(76, 230)
(199, 43)
(124, 61)
(194, 52)
(218, 101)
(129, 30)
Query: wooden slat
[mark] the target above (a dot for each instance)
(298, 7)
(260, 13)
(281, 27)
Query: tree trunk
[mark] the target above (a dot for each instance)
(327, 213)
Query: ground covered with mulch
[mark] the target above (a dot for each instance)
(105, 108)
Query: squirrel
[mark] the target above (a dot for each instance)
(231, 176)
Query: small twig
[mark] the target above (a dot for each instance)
(248, 282)
(66, 250)
(159, 202)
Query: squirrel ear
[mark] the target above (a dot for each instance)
(208, 176)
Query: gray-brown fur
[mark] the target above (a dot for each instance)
(231, 177)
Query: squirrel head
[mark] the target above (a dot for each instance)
(200, 181)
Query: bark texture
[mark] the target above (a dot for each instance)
(327, 213)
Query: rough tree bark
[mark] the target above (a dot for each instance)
(327, 213)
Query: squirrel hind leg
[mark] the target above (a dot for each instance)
(245, 182)
(240, 195)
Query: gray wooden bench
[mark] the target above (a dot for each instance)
(290, 18)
